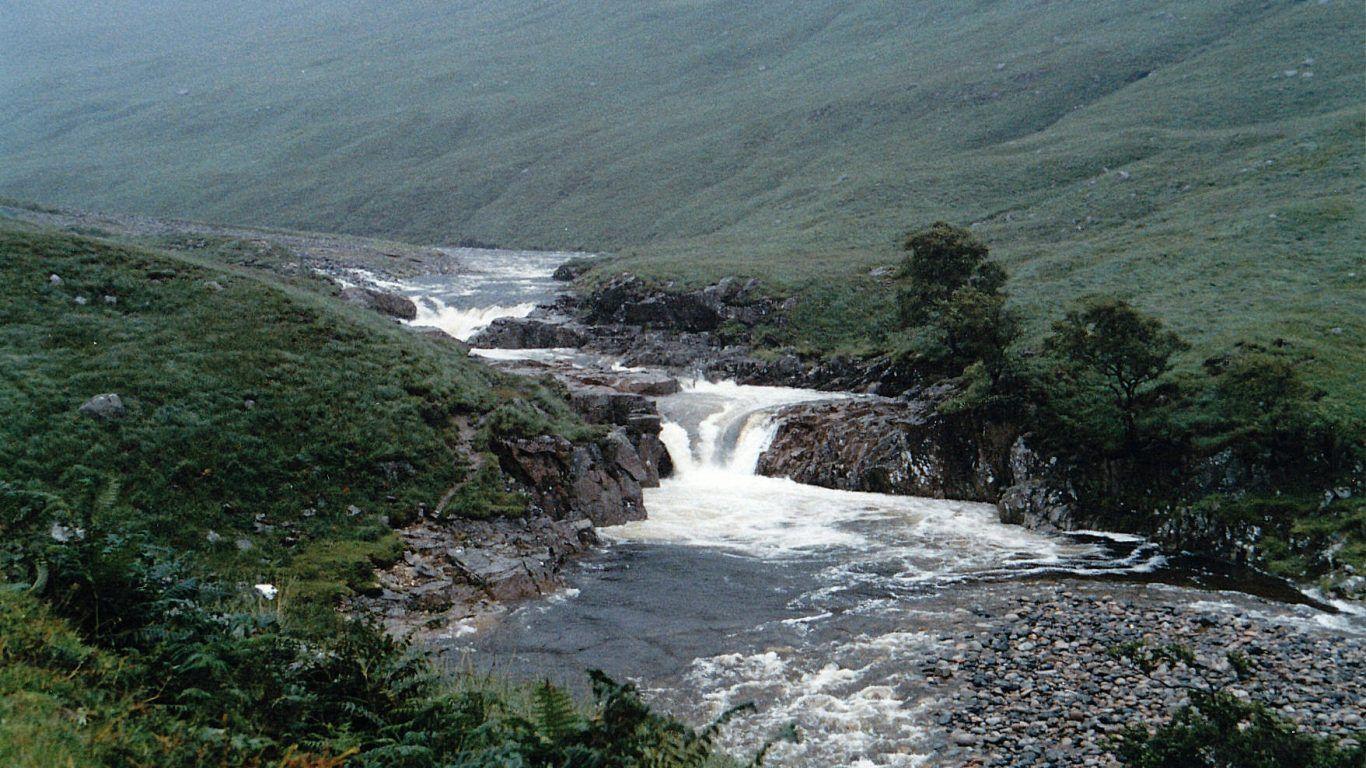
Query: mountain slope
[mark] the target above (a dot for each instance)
(1201, 157)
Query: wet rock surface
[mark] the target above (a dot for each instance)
(527, 333)
(903, 447)
(600, 481)
(461, 573)
(1035, 683)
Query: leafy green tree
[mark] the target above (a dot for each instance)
(942, 259)
(1126, 351)
(954, 305)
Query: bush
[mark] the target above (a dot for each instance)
(1220, 730)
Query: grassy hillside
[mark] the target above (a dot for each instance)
(270, 434)
(1201, 157)
(268, 427)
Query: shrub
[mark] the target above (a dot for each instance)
(1217, 729)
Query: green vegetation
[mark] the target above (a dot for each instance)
(1126, 351)
(267, 434)
(1200, 159)
(1243, 452)
(129, 659)
(1217, 728)
(270, 428)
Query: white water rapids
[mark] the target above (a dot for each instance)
(819, 606)
(716, 432)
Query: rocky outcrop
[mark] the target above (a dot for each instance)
(628, 300)
(1040, 495)
(614, 398)
(908, 446)
(600, 481)
(572, 270)
(459, 569)
(904, 447)
(440, 337)
(390, 304)
(527, 333)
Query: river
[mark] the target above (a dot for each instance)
(822, 607)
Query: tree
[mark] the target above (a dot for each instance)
(942, 259)
(977, 326)
(954, 302)
(1127, 350)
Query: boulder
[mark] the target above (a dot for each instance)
(903, 447)
(104, 407)
(599, 481)
(526, 333)
(390, 304)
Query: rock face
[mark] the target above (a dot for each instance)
(526, 333)
(1040, 495)
(458, 569)
(628, 300)
(902, 447)
(600, 481)
(906, 446)
(390, 304)
(104, 407)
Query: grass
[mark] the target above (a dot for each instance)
(279, 433)
(1161, 149)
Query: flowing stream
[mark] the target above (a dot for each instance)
(820, 606)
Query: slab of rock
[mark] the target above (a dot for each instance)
(526, 333)
(390, 304)
(888, 446)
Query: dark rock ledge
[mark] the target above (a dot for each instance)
(459, 574)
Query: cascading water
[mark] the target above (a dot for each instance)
(814, 603)
(461, 323)
(820, 606)
(495, 284)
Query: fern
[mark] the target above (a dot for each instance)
(556, 718)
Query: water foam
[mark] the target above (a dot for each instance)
(463, 323)
(850, 703)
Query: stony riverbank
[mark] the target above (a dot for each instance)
(1035, 684)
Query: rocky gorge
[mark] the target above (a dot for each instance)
(903, 434)
(1018, 670)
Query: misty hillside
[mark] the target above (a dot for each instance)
(1203, 157)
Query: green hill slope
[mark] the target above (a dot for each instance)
(275, 431)
(1201, 157)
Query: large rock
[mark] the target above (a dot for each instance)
(637, 419)
(104, 407)
(600, 481)
(1039, 496)
(526, 333)
(572, 269)
(628, 300)
(390, 304)
(889, 446)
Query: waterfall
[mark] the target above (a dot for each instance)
(464, 323)
(724, 427)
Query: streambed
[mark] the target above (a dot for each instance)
(892, 630)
